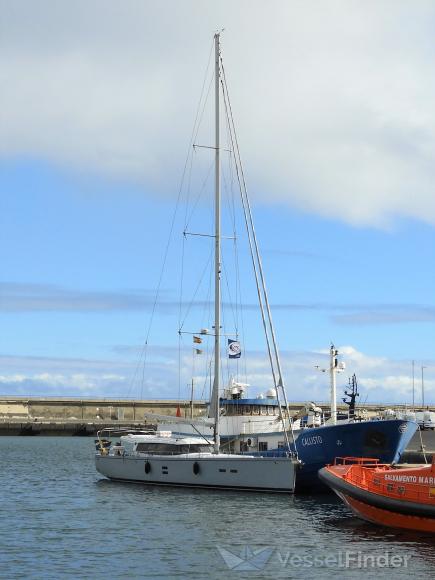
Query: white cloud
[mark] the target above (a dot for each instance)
(380, 379)
(62, 384)
(334, 100)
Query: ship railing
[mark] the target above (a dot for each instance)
(103, 442)
(410, 487)
(356, 461)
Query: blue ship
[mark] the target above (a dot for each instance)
(316, 441)
(385, 440)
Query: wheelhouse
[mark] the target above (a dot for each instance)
(250, 407)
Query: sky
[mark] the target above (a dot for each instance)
(333, 103)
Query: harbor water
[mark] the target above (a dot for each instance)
(60, 519)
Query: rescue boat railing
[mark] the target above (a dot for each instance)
(394, 483)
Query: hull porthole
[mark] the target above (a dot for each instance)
(196, 468)
(147, 467)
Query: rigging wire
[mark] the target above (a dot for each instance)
(230, 301)
(226, 275)
(208, 324)
(198, 197)
(180, 306)
(238, 291)
(194, 133)
(210, 84)
(189, 306)
(257, 263)
(250, 240)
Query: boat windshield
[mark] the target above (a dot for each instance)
(171, 449)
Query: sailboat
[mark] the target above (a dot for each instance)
(161, 458)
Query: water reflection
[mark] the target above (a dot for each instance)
(329, 517)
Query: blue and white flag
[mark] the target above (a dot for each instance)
(234, 350)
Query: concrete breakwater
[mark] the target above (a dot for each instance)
(71, 416)
(42, 408)
(56, 428)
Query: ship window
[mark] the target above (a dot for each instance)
(233, 470)
(170, 449)
(263, 410)
(256, 409)
(280, 444)
(262, 446)
(390, 487)
(198, 448)
(376, 481)
(223, 470)
(401, 489)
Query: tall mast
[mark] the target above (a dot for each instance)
(333, 370)
(217, 256)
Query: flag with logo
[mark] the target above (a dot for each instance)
(198, 351)
(234, 350)
(197, 340)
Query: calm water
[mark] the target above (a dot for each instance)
(60, 519)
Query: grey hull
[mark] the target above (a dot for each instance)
(243, 473)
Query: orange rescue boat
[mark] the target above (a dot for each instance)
(399, 497)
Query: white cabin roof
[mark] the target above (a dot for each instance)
(165, 437)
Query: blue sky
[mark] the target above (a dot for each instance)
(337, 132)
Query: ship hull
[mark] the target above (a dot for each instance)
(319, 446)
(383, 517)
(218, 472)
(398, 498)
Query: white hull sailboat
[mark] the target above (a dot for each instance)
(223, 471)
(162, 459)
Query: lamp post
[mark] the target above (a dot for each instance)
(413, 387)
(422, 385)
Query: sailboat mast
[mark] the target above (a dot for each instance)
(217, 292)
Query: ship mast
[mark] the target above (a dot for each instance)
(217, 257)
(334, 368)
